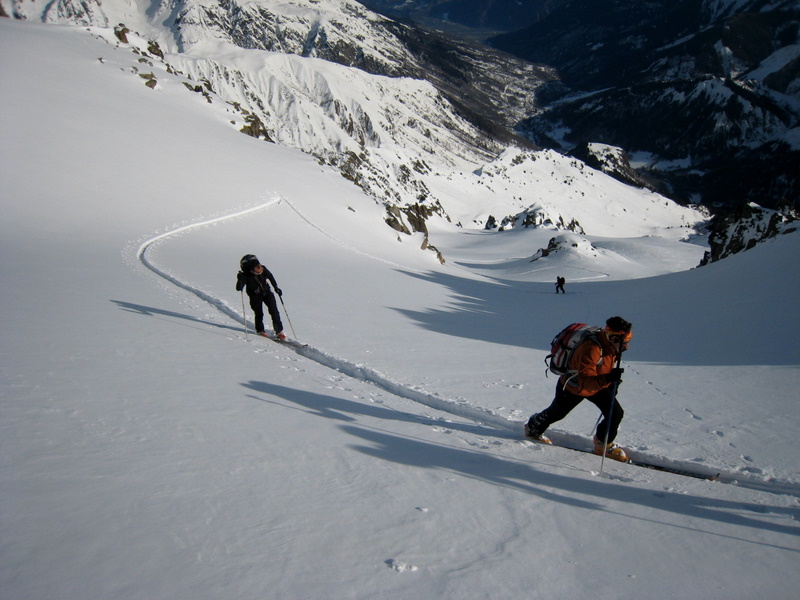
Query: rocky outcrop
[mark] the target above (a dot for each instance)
(612, 161)
(744, 228)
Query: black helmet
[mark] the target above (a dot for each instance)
(248, 262)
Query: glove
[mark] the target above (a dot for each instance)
(239, 281)
(279, 292)
(615, 375)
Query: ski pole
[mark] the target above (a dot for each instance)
(244, 318)
(294, 335)
(614, 385)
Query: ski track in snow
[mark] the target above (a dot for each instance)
(337, 241)
(458, 408)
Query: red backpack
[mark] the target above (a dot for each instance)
(564, 344)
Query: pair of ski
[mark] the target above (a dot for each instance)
(635, 462)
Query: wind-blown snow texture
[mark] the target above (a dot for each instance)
(150, 450)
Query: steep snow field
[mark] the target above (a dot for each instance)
(150, 449)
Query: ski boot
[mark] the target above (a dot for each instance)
(536, 437)
(611, 451)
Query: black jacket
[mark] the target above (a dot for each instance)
(256, 286)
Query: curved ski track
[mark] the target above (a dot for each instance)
(461, 409)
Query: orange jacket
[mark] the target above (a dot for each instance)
(592, 362)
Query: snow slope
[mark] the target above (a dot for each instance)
(151, 450)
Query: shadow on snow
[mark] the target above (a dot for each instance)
(520, 475)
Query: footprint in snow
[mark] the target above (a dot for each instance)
(399, 565)
(694, 416)
(753, 470)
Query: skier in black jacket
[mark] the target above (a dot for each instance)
(253, 279)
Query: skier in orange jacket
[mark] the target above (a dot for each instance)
(592, 373)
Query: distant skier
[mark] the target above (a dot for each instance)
(560, 281)
(592, 373)
(253, 279)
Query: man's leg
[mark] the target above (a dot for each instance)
(603, 401)
(562, 405)
(258, 313)
(272, 307)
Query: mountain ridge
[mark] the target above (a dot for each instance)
(704, 94)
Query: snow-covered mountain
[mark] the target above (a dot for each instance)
(704, 95)
(346, 85)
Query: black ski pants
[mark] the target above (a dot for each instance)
(257, 304)
(564, 402)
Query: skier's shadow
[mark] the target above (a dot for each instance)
(341, 409)
(149, 311)
(519, 475)
(523, 476)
